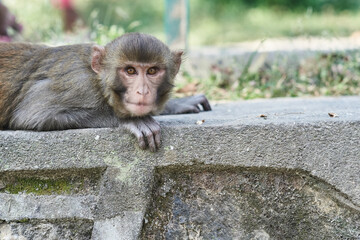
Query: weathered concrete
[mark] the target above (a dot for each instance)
(298, 153)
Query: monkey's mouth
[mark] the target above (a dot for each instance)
(139, 109)
(139, 104)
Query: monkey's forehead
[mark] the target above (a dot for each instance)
(143, 64)
(144, 55)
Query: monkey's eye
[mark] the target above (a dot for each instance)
(130, 70)
(152, 71)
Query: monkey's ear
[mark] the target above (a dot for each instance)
(97, 56)
(177, 60)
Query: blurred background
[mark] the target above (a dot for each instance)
(219, 24)
(212, 22)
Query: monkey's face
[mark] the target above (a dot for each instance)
(140, 82)
(144, 69)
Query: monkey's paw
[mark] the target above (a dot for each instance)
(187, 105)
(146, 130)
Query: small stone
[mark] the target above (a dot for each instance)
(200, 122)
(2, 185)
(263, 116)
(333, 115)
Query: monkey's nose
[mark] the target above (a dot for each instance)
(143, 92)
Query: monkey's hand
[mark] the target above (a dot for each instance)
(187, 105)
(146, 130)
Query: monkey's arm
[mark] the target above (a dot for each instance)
(187, 105)
(145, 129)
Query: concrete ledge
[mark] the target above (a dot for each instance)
(296, 134)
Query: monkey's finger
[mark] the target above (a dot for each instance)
(192, 109)
(145, 136)
(151, 142)
(154, 139)
(138, 134)
(201, 100)
(149, 136)
(205, 103)
(158, 139)
(155, 129)
(141, 141)
(206, 106)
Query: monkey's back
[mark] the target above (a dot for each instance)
(12, 57)
(24, 65)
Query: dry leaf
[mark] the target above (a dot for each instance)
(200, 122)
(189, 88)
(333, 115)
(263, 116)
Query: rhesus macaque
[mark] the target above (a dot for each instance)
(7, 20)
(89, 86)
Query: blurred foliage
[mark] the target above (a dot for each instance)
(212, 22)
(316, 5)
(215, 22)
(332, 74)
(134, 15)
(230, 21)
(42, 22)
(288, 5)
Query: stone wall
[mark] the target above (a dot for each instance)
(293, 174)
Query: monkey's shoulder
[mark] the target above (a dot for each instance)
(20, 46)
(73, 48)
(17, 50)
(44, 51)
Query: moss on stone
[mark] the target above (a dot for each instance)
(24, 220)
(39, 186)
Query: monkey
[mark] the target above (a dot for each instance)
(7, 20)
(121, 84)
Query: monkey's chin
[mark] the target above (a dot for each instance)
(139, 110)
